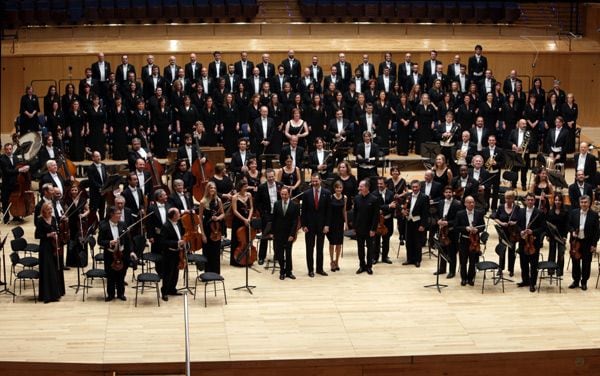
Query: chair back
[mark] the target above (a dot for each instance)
(18, 244)
(18, 232)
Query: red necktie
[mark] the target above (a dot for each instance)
(316, 199)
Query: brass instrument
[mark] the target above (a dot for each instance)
(460, 158)
(525, 143)
(446, 141)
(489, 164)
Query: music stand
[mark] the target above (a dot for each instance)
(257, 225)
(441, 253)
(513, 159)
(433, 215)
(430, 150)
(268, 159)
(557, 180)
(5, 289)
(112, 183)
(504, 240)
(553, 232)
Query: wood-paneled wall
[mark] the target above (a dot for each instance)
(579, 72)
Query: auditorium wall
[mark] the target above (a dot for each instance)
(579, 72)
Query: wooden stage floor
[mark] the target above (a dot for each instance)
(343, 315)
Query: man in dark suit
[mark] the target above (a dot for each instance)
(494, 157)
(262, 134)
(244, 67)
(47, 152)
(266, 68)
(532, 223)
(579, 189)
(144, 177)
(148, 68)
(232, 80)
(431, 188)
(180, 199)
(292, 68)
(96, 173)
(405, 68)
(367, 157)
(91, 81)
(480, 174)
(171, 240)
(479, 134)
(266, 196)
(189, 151)
(153, 82)
(486, 84)
(387, 207)
(192, 69)
(468, 221)
(557, 140)
(358, 81)
(126, 216)
(279, 80)
(587, 162)
(438, 74)
(101, 68)
(584, 228)
(344, 70)
(319, 160)
(368, 69)
(52, 177)
(316, 212)
(388, 63)
(385, 81)
(170, 73)
(430, 66)
(417, 218)
(316, 72)
(134, 197)
(240, 158)
(447, 135)
(454, 68)
(339, 128)
(516, 140)
(135, 153)
(285, 219)
(467, 150)
(463, 79)
(446, 214)
(368, 122)
(306, 80)
(155, 223)
(10, 172)
(110, 237)
(333, 78)
(464, 182)
(413, 79)
(205, 81)
(477, 64)
(366, 214)
(217, 68)
(123, 70)
(295, 151)
(255, 82)
(510, 83)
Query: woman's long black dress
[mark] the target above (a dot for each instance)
(52, 281)
(336, 226)
(75, 121)
(161, 119)
(211, 249)
(229, 117)
(242, 208)
(97, 120)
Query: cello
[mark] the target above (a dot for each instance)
(190, 222)
(155, 169)
(203, 172)
(22, 198)
(240, 254)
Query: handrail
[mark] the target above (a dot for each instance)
(187, 333)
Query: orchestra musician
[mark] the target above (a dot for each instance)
(47, 196)
(51, 279)
(211, 215)
(366, 213)
(557, 140)
(240, 158)
(110, 238)
(516, 140)
(480, 134)
(468, 223)
(316, 212)
(467, 150)
(542, 189)
(480, 174)
(267, 195)
(531, 222)
(183, 173)
(134, 197)
(181, 199)
(584, 229)
(136, 152)
(579, 189)
(293, 150)
(47, 152)
(494, 162)
(447, 210)
(77, 209)
(559, 217)
(126, 216)
(10, 172)
(447, 134)
(506, 217)
(398, 186)
(367, 157)
(431, 188)
(417, 218)
(320, 160)
(586, 161)
(189, 152)
(171, 241)
(96, 173)
(387, 207)
(156, 222)
(285, 218)
(464, 185)
(52, 177)
(262, 133)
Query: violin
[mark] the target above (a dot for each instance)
(474, 244)
(443, 235)
(183, 255)
(575, 247)
(529, 247)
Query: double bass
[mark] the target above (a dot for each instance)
(190, 222)
(203, 172)
(244, 235)
(155, 169)
(22, 198)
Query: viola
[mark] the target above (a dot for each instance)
(474, 244)
(575, 249)
(444, 237)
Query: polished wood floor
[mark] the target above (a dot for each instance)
(342, 315)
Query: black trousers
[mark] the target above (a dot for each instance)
(492, 192)
(450, 253)
(264, 242)
(311, 238)
(414, 242)
(468, 260)
(115, 280)
(365, 258)
(529, 266)
(512, 257)
(283, 254)
(170, 272)
(6, 191)
(557, 254)
(582, 267)
(382, 243)
(212, 251)
(523, 170)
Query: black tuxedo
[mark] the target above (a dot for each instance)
(44, 156)
(263, 204)
(250, 84)
(337, 79)
(170, 256)
(258, 135)
(169, 76)
(450, 250)
(132, 156)
(507, 86)
(428, 71)
(314, 219)
(529, 263)
(411, 81)
(286, 150)
(314, 163)
(384, 200)
(96, 70)
(147, 186)
(443, 78)
(182, 154)
(403, 72)
(96, 182)
(417, 217)
(575, 193)
(452, 71)
(236, 163)
(476, 69)
(115, 279)
(347, 74)
(581, 268)
(176, 202)
(471, 189)
(589, 169)
(236, 83)
(284, 226)
(435, 193)
(333, 130)
(559, 145)
(381, 83)
(94, 86)
(192, 73)
(120, 76)
(266, 72)
(147, 71)
(482, 88)
(371, 74)
(9, 173)
(392, 67)
(292, 69)
(367, 167)
(365, 218)
(320, 76)
(302, 86)
(460, 226)
(498, 156)
(471, 151)
(239, 69)
(46, 178)
(513, 140)
(130, 202)
(484, 137)
(212, 69)
(277, 83)
(150, 88)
